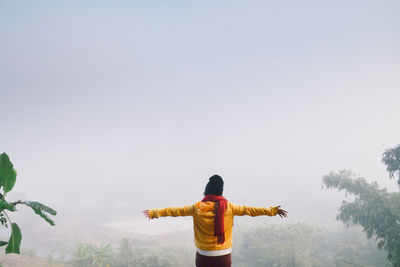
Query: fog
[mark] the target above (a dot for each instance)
(113, 107)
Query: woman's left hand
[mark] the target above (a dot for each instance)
(146, 214)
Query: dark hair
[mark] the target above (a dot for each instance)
(215, 186)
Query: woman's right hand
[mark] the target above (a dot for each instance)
(282, 213)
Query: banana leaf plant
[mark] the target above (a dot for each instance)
(8, 176)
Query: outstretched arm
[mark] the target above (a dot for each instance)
(172, 211)
(258, 211)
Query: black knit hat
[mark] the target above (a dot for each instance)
(215, 186)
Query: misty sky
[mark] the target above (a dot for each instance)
(127, 105)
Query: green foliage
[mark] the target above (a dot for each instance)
(303, 245)
(41, 210)
(297, 245)
(15, 239)
(126, 256)
(4, 205)
(273, 246)
(89, 255)
(374, 209)
(391, 158)
(7, 181)
(7, 173)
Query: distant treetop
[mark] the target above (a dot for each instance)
(391, 158)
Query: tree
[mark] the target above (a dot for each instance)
(391, 158)
(8, 177)
(129, 256)
(304, 245)
(88, 255)
(374, 209)
(125, 256)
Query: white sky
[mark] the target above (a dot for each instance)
(128, 105)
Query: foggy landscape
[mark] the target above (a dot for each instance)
(110, 108)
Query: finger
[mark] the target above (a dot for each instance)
(283, 211)
(282, 214)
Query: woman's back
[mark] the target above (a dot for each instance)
(203, 214)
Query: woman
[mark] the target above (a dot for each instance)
(213, 222)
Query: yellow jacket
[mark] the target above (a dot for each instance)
(203, 221)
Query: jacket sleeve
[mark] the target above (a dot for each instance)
(172, 211)
(253, 211)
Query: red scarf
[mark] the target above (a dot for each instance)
(221, 204)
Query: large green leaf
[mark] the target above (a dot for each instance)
(7, 173)
(3, 243)
(40, 209)
(4, 205)
(15, 240)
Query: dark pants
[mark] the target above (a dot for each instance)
(218, 261)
